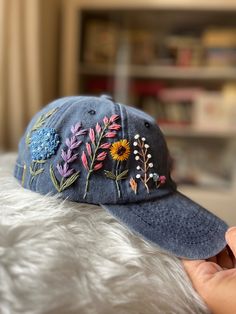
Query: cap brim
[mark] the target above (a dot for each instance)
(176, 224)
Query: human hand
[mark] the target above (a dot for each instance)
(215, 278)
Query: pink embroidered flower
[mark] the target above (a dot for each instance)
(97, 154)
(98, 166)
(92, 135)
(101, 156)
(114, 117)
(88, 147)
(84, 161)
(110, 134)
(114, 126)
(105, 120)
(105, 145)
(98, 128)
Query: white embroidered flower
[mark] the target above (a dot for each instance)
(137, 157)
(143, 139)
(136, 136)
(138, 176)
(149, 156)
(138, 167)
(151, 175)
(150, 164)
(146, 146)
(135, 143)
(135, 152)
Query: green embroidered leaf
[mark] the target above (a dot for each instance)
(37, 172)
(122, 175)
(110, 175)
(41, 120)
(54, 179)
(39, 161)
(70, 181)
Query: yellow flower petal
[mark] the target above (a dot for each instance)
(120, 150)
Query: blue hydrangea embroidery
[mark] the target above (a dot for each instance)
(44, 143)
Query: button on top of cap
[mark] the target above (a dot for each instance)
(109, 97)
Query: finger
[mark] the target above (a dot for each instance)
(224, 260)
(200, 271)
(192, 267)
(230, 237)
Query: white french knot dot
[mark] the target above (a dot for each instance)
(136, 136)
(138, 176)
(150, 165)
(146, 146)
(151, 175)
(143, 139)
(149, 155)
(135, 143)
(135, 152)
(138, 167)
(137, 157)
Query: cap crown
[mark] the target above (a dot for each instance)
(91, 149)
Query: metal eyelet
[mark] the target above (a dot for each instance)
(92, 112)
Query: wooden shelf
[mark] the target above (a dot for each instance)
(191, 132)
(162, 72)
(153, 4)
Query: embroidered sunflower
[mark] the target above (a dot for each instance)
(120, 150)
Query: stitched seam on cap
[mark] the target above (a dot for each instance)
(151, 226)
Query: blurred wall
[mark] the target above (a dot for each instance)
(50, 48)
(29, 58)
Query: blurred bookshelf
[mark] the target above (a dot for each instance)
(178, 63)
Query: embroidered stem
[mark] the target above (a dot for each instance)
(145, 166)
(96, 135)
(34, 171)
(96, 147)
(117, 184)
(23, 175)
(145, 174)
(40, 122)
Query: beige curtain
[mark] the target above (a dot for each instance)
(20, 77)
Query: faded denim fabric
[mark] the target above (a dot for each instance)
(156, 211)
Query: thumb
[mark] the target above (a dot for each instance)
(200, 271)
(230, 237)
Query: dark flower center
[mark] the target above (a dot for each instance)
(121, 150)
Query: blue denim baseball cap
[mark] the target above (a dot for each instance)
(95, 150)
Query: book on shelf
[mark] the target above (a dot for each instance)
(142, 46)
(220, 46)
(205, 164)
(185, 51)
(215, 111)
(100, 41)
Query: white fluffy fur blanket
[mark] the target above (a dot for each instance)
(59, 257)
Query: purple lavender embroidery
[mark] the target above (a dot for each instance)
(66, 171)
